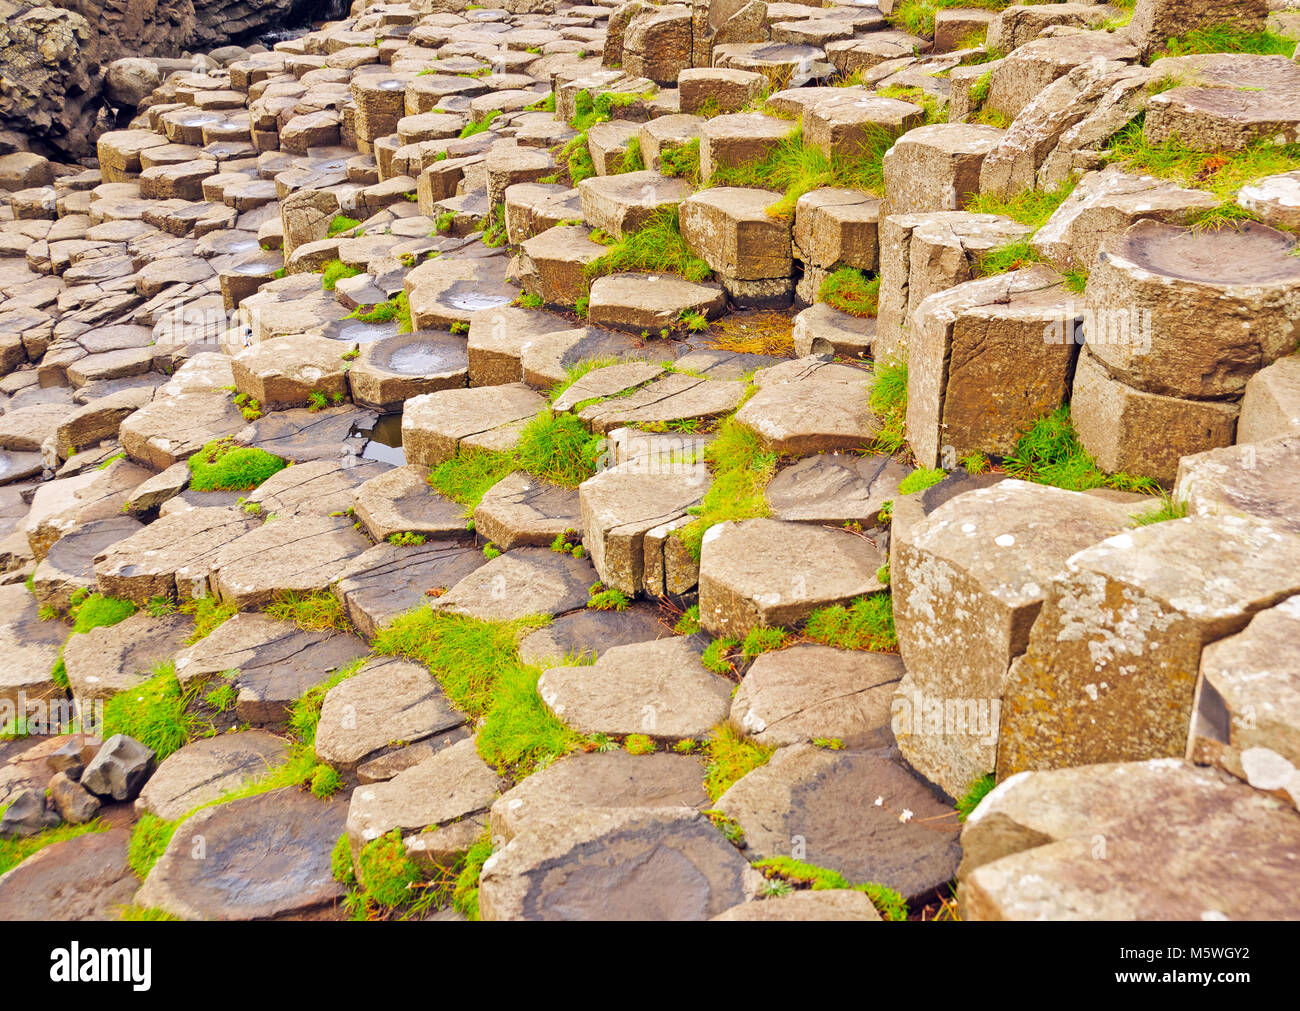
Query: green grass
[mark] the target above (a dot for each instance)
(1049, 452)
(465, 895)
(142, 914)
(555, 448)
(389, 874)
(547, 104)
(632, 159)
(1012, 256)
(682, 161)
(1170, 509)
(15, 851)
(888, 902)
(481, 126)
(889, 403)
(1228, 38)
(656, 249)
(149, 838)
(208, 613)
(764, 640)
(689, 622)
(99, 611)
(972, 797)
(223, 466)
(916, 17)
(979, 91)
(851, 291)
(742, 466)
(921, 479)
(467, 476)
(156, 713)
(717, 656)
(335, 271)
(559, 449)
(342, 224)
(796, 168)
(313, 612)
(494, 231)
(1229, 214)
(1029, 207)
(729, 755)
(397, 309)
(866, 624)
(1220, 173)
(477, 664)
(607, 599)
(1076, 280)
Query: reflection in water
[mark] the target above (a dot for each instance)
(384, 441)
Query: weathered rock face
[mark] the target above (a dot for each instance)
(1110, 669)
(968, 582)
(169, 27)
(1156, 840)
(53, 76)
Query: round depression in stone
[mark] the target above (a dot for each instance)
(425, 353)
(1247, 254)
(357, 332)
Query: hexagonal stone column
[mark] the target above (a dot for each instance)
(435, 424)
(1210, 308)
(285, 372)
(1110, 668)
(988, 358)
(1051, 845)
(659, 688)
(921, 254)
(729, 228)
(857, 812)
(1143, 433)
(765, 572)
(620, 864)
(728, 142)
(937, 167)
(968, 580)
(714, 88)
(1271, 404)
(1250, 480)
(811, 406)
(625, 203)
(850, 126)
(1247, 711)
(622, 504)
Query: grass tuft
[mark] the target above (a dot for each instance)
(888, 902)
(1222, 174)
(1029, 207)
(742, 467)
(729, 756)
(223, 466)
(312, 612)
(851, 291)
(969, 801)
(1049, 452)
(477, 664)
(866, 624)
(889, 403)
(656, 249)
(156, 713)
(796, 168)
